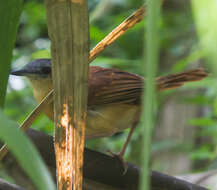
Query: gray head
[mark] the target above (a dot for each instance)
(35, 69)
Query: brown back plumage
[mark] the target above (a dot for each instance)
(109, 86)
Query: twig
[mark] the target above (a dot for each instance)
(99, 48)
(133, 19)
(30, 119)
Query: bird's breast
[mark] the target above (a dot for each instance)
(110, 119)
(106, 120)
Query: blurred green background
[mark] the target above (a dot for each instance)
(186, 125)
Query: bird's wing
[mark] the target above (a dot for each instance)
(112, 86)
(109, 86)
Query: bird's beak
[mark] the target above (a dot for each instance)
(18, 72)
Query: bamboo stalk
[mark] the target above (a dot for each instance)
(68, 28)
(151, 61)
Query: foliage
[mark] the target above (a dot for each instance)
(205, 16)
(25, 153)
(9, 17)
(17, 142)
(180, 49)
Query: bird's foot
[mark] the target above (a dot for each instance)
(120, 158)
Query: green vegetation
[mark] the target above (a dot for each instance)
(17, 142)
(9, 13)
(25, 153)
(185, 118)
(151, 63)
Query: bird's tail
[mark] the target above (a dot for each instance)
(177, 80)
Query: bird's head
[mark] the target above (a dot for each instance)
(39, 74)
(39, 68)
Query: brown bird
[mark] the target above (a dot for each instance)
(114, 96)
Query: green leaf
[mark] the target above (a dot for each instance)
(197, 99)
(205, 14)
(202, 122)
(41, 54)
(203, 153)
(10, 11)
(26, 153)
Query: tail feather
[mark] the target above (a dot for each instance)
(177, 80)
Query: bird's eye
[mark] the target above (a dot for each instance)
(46, 70)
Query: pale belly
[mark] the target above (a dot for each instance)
(107, 121)
(110, 120)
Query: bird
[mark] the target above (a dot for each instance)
(114, 96)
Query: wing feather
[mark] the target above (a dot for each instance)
(112, 86)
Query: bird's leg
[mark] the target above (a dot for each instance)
(123, 150)
(120, 155)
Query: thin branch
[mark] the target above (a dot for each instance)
(30, 119)
(131, 21)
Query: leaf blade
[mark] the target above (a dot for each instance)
(26, 153)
